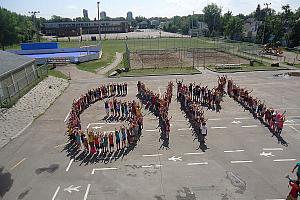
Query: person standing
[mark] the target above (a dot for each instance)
(298, 171)
(295, 189)
(111, 142)
(204, 131)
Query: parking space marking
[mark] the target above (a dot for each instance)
(60, 145)
(216, 119)
(250, 126)
(87, 192)
(203, 163)
(295, 129)
(151, 130)
(16, 165)
(241, 161)
(197, 153)
(67, 116)
(152, 155)
(284, 160)
(146, 166)
(184, 129)
(56, 192)
(234, 151)
(274, 199)
(103, 169)
(69, 165)
(218, 127)
(242, 118)
(272, 149)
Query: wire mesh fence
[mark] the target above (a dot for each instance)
(19, 83)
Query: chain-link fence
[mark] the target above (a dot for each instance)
(19, 83)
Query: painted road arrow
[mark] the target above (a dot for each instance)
(173, 158)
(72, 188)
(236, 122)
(266, 154)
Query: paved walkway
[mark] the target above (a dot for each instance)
(116, 62)
(30, 106)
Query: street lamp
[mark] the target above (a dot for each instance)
(263, 35)
(33, 13)
(98, 6)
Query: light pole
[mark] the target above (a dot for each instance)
(33, 14)
(98, 6)
(266, 14)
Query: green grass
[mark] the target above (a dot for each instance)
(246, 68)
(57, 74)
(297, 65)
(159, 71)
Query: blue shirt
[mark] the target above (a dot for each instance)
(298, 165)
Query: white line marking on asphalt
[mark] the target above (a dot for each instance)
(146, 166)
(153, 130)
(56, 191)
(158, 165)
(67, 116)
(16, 165)
(250, 126)
(20, 132)
(284, 160)
(274, 199)
(60, 145)
(218, 127)
(103, 169)
(182, 135)
(180, 120)
(159, 91)
(272, 149)
(291, 124)
(197, 153)
(295, 129)
(203, 163)
(69, 165)
(184, 129)
(113, 123)
(241, 161)
(87, 192)
(242, 118)
(152, 155)
(216, 119)
(234, 151)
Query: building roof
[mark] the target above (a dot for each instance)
(10, 62)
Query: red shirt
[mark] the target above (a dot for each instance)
(294, 191)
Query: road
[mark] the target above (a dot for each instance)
(243, 159)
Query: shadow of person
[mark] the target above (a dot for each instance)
(5, 182)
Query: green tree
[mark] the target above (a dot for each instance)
(234, 27)
(212, 15)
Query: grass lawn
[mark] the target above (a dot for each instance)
(246, 68)
(159, 71)
(57, 74)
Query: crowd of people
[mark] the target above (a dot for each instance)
(267, 115)
(159, 105)
(121, 109)
(202, 94)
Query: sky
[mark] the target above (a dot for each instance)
(147, 8)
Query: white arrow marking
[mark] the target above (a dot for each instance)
(236, 122)
(266, 154)
(173, 158)
(72, 188)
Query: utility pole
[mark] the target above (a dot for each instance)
(98, 6)
(193, 20)
(266, 14)
(33, 14)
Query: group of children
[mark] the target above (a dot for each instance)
(274, 119)
(117, 108)
(159, 105)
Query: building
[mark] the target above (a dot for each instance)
(65, 29)
(129, 17)
(16, 72)
(103, 15)
(250, 28)
(143, 25)
(85, 13)
(199, 29)
(154, 24)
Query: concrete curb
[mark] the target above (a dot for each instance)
(155, 75)
(237, 71)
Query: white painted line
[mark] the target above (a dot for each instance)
(87, 192)
(291, 124)
(56, 192)
(184, 129)
(158, 165)
(182, 135)
(16, 165)
(284, 160)
(203, 163)
(250, 126)
(241, 161)
(272, 149)
(60, 145)
(152, 155)
(180, 120)
(234, 151)
(274, 199)
(19, 133)
(146, 166)
(67, 116)
(295, 129)
(69, 165)
(198, 153)
(218, 127)
(97, 127)
(113, 123)
(153, 130)
(242, 118)
(103, 169)
(159, 91)
(216, 119)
